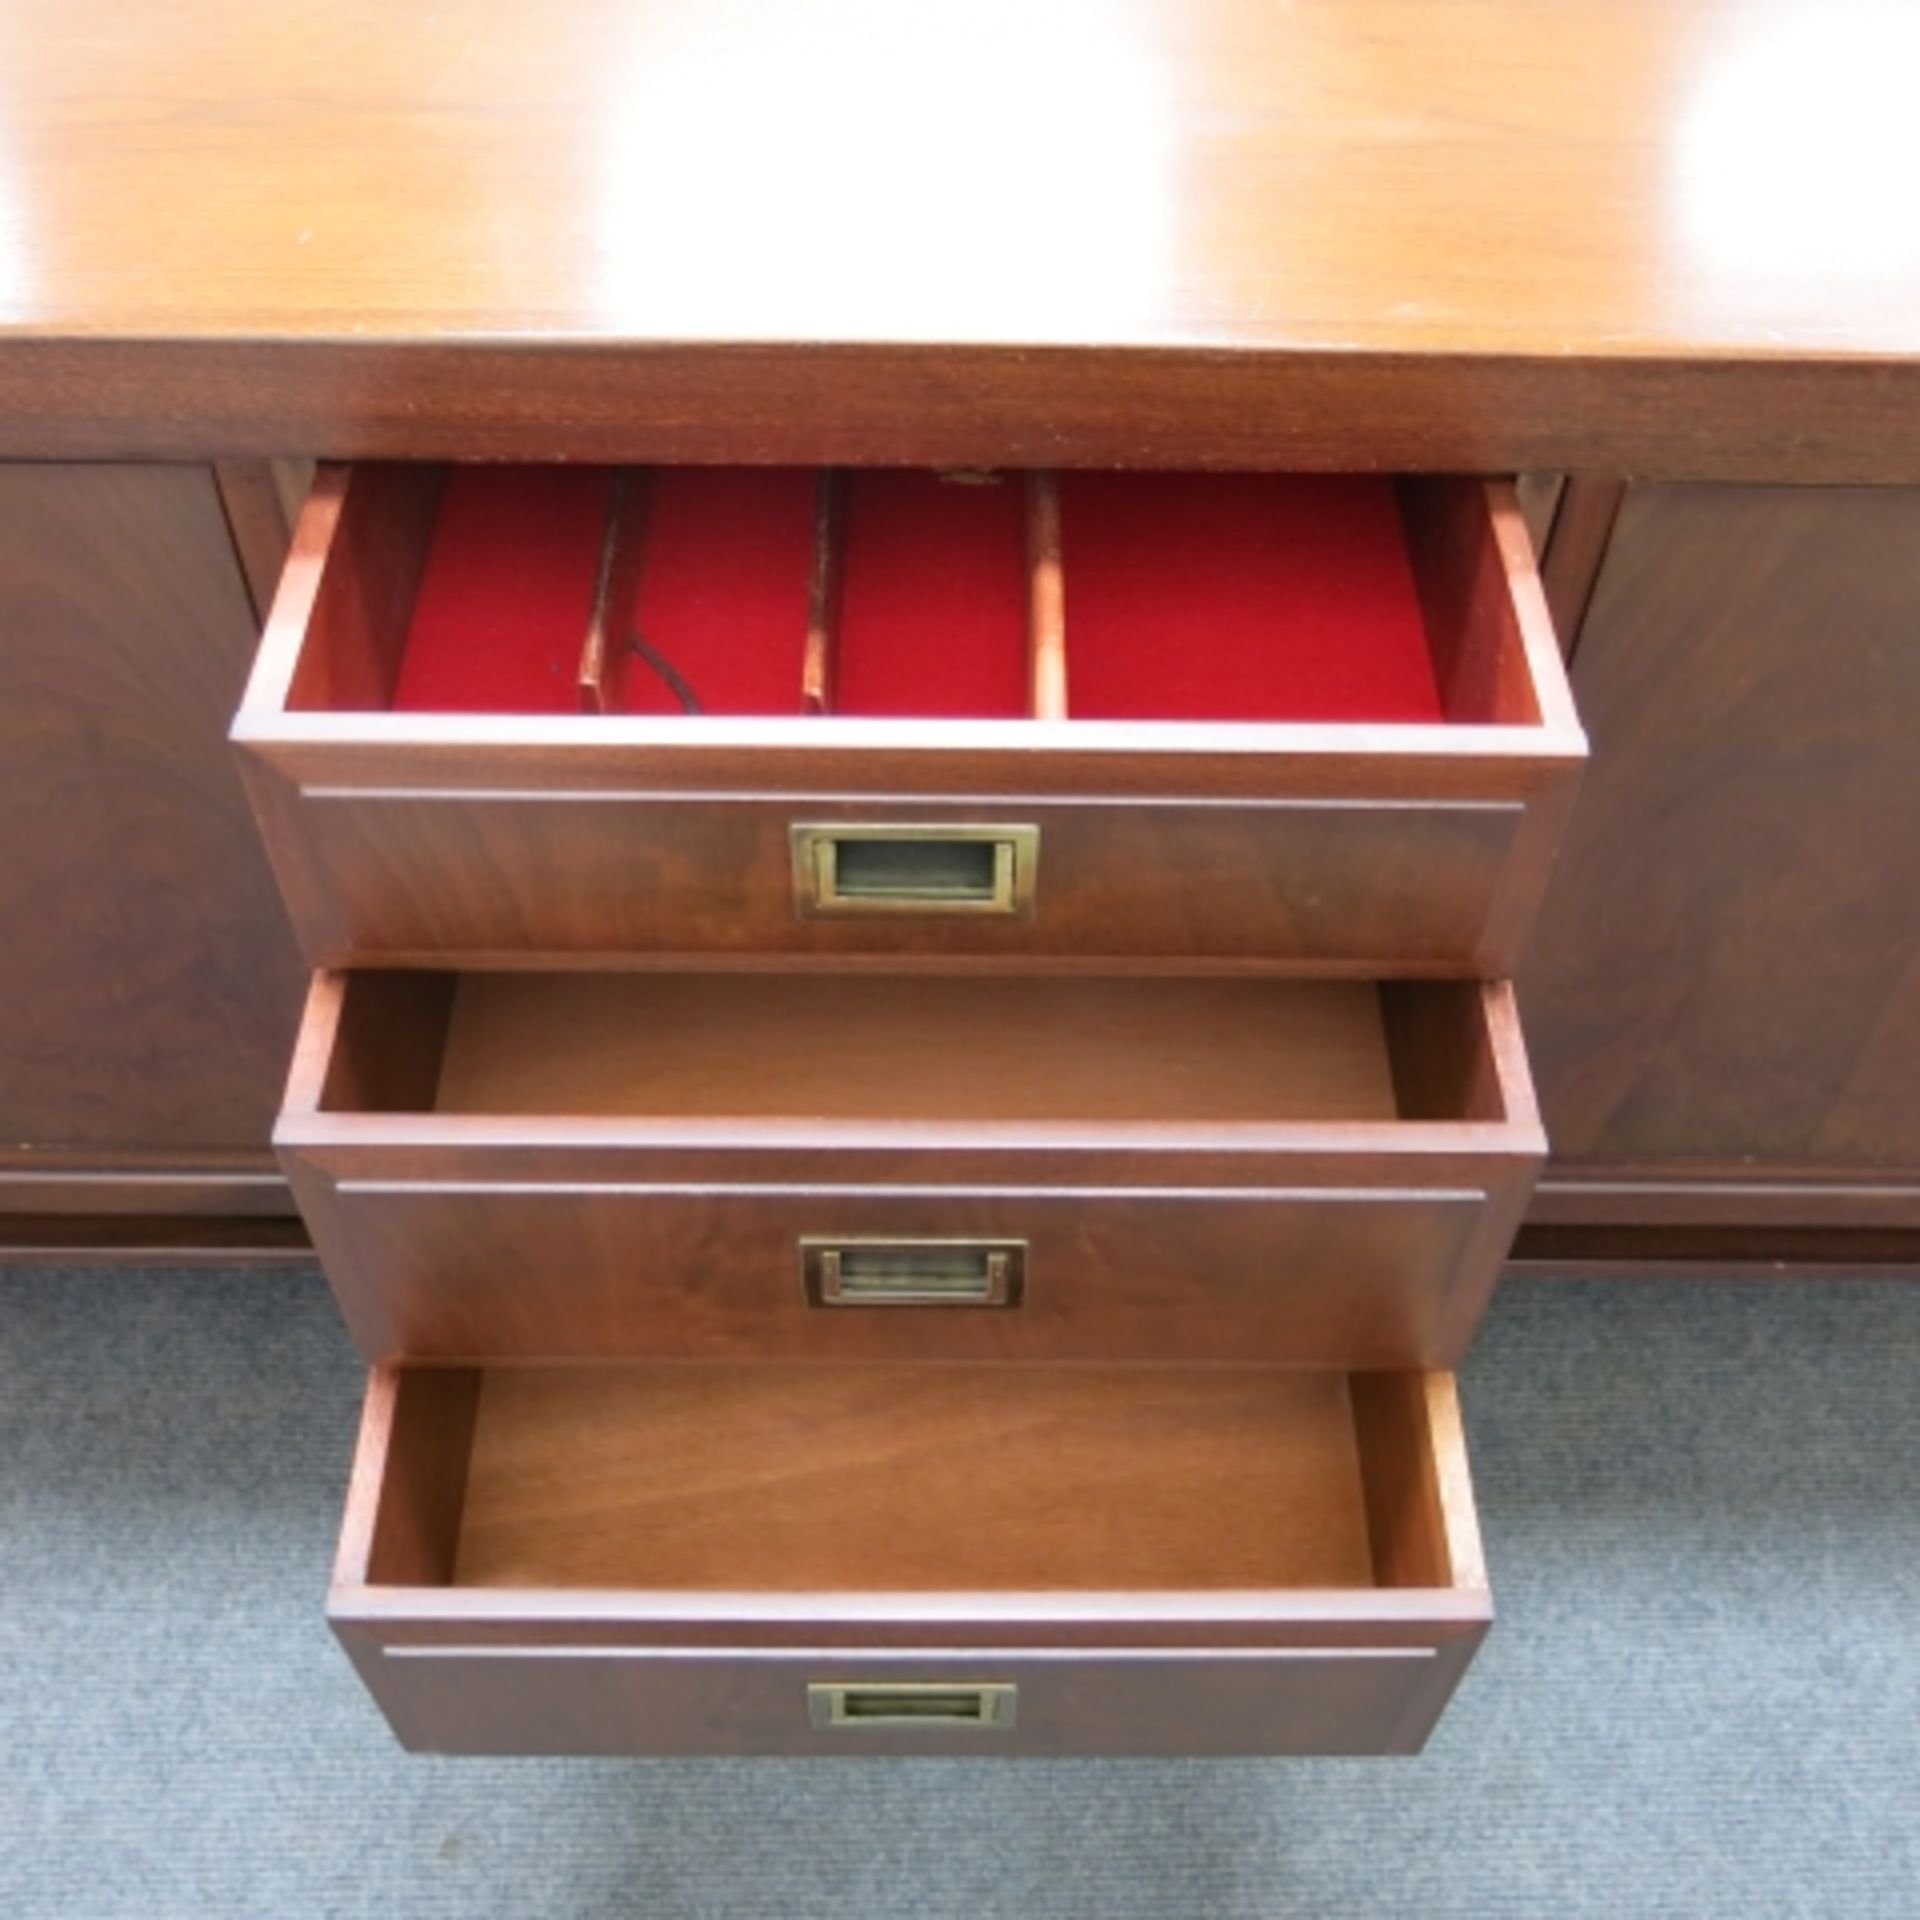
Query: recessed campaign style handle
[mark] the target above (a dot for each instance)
(913, 1273)
(915, 869)
(913, 1704)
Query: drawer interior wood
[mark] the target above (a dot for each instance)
(900, 1479)
(690, 592)
(1206, 1051)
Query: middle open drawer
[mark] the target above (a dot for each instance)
(803, 1166)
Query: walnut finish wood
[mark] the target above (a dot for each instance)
(152, 1178)
(1421, 1520)
(403, 838)
(1724, 997)
(1366, 1700)
(418, 1432)
(1583, 523)
(604, 654)
(184, 1239)
(1539, 495)
(1465, 237)
(627, 1164)
(909, 1479)
(661, 1560)
(1047, 616)
(1741, 1251)
(1759, 1194)
(794, 1050)
(149, 988)
(817, 664)
(260, 511)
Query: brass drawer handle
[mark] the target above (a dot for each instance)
(913, 1273)
(915, 869)
(940, 1708)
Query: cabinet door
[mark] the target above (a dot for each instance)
(149, 989)
(1723, 995)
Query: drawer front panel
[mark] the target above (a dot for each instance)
(980, 1704)
(1408, 884)
(1304, 1275)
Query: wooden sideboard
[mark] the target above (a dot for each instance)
(1720, 993)
(913, 733)
(1471, 239)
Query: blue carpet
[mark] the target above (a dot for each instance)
(1702, 1509)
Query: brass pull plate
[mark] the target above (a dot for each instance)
(913, 1273)
(924, 1706)
(918, 869)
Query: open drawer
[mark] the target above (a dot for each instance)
(961, 1167)
(891, 1560)
(587, 714)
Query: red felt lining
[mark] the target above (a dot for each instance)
(507, 592)
(1240, 597)
(726, 559)
(933, 606)
(1188, 596)
(725, 570)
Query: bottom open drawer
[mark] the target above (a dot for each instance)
(894, 1559)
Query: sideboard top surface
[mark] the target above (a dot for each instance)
(1645, 235)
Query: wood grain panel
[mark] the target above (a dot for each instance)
(1467, 237)
(188, 1238)
(596, 866)
(911, 1478)
(262, 501)
(149, 987)
(410, 1477)
(1582, 530)
(1725, 990)
(1371, 1700)
(580, 1265)
(1422, 1524)
(1539, 495)
(813, 1047)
